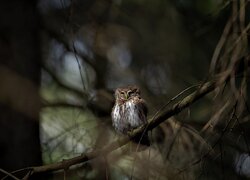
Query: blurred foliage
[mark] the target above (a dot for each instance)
(91, 47)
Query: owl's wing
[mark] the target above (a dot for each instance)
(142, 105)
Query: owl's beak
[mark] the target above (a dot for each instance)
(126, 96)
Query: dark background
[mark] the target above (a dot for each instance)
(61, 60)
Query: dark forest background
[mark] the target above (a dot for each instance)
(61, 60)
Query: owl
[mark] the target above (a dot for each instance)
(130, 112)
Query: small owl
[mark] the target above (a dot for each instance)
(129, 112)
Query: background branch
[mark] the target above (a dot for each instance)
(62, 84)
(176, 108)
(60, 104)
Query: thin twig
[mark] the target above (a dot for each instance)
(61, 83)
(19, 170)
(178, 107)
(9, 174)
(174, 98)
(220, 45)
(215, 144)
(80, 68)
(55, 35)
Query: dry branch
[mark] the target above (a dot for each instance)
(9, 174)
(69, 47)
(176, 108)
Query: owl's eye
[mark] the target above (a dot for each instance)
(130, 93)
(123, 94)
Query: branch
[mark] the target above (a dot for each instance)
(59, 104)
(178, 107)
(61, 83)
(60, 38)
(65, 164)
(9, 174)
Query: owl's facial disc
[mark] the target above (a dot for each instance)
(123, 95)
(129, 94)
(126, 95)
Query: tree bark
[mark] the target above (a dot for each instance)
(19, 85)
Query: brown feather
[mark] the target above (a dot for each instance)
(129, 112)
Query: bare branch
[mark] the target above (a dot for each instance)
(9, 174)
(59, 38)
(178, 107)
(220, 45)
(62, 84)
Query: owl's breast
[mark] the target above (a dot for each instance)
(127, 116)
(118, 118)
(134, 115)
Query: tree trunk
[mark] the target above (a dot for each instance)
(19, 85)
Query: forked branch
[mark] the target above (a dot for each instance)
(176, 108)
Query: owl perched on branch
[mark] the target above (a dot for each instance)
(130, 112)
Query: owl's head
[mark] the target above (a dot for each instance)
(126, 93)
